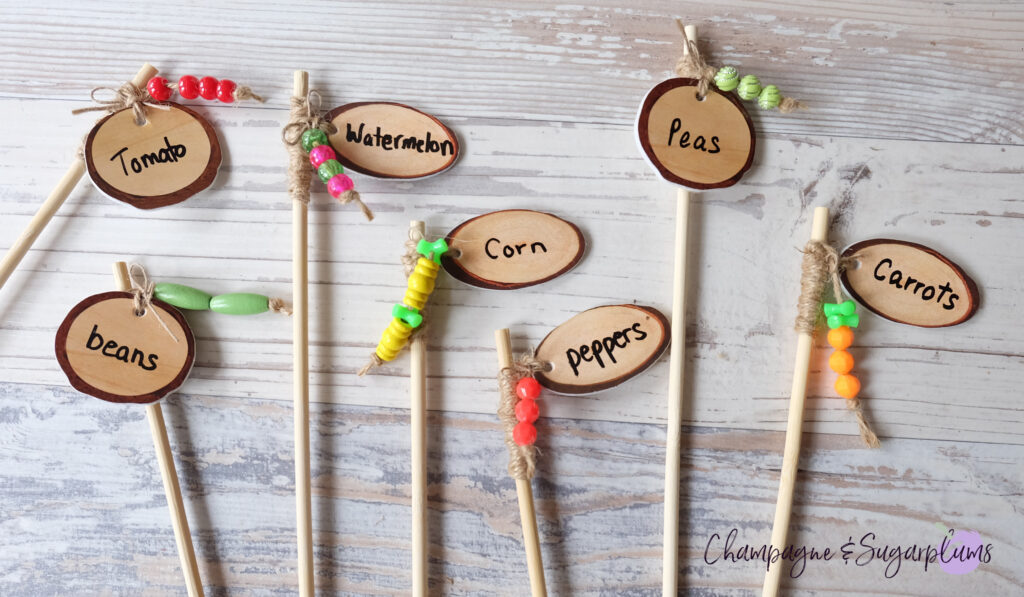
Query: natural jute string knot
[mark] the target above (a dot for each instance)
(128, 95)
(142, 295)
(521, 459)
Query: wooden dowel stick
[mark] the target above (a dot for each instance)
(300, 375)
(674, 424)
(418, 424)
(794, 427)
(56, 199)
(527, 516)
(179, 521)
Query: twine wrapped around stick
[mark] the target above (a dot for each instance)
(521, 459)
(821, 266)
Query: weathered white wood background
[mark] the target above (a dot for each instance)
(915, 132)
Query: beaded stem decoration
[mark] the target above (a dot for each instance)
(422, 261)
(518, 411)
(208, 88)
(235, 303)
(820, 269)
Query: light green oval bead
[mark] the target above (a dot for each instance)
(749, 87)
(769, 98)
(182, 297)
(727, 78)
(240, 303)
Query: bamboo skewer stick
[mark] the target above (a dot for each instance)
(527, 515)
(172, 490)
(418, 424)
(300, 375)
(56, 199)
(794, 428)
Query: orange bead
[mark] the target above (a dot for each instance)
(847, 386)
(840, 338)
(841, 362)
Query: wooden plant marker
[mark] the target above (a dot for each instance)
(514, 248)
(173, 156)
(57, 198)
(418, 446)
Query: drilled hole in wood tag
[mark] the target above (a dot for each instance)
(909, 283)
(390, 140)
(602, 347)
(510, 249)
(109, 352)
(173, 156)
(697, 143)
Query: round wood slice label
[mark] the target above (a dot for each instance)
(109, 352)
(601, 348)
(389, 140)
(697, 143)
(173, 156)
(512, 249)
(909, 283)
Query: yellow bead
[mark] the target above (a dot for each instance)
(421, 284)
(393, 340)
(841, 362)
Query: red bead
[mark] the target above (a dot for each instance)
(226, 90)
(527, 411)
(188, 87)
(158, 89)
(528, 389)
(208, 88)
(524, 434)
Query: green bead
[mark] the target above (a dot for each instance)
(240, 303)
(312, 138)
(838, 321)
(727, 78)
(749, 87)
(182, 297)
(432, 249)
(407, 315)
(845, 308)
(329, 169)
(769, 98)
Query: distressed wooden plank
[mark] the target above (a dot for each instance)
(85, 514)
(906, 71)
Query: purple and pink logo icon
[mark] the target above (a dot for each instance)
(960, 551)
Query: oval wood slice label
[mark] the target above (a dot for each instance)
(109, 352)
(510, 249)
(601, 348)
(173, 156)
(909, 283)
(700, 144)
(389, 140)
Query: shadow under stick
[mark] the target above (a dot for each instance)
(794, 428)
(418, 425)
(56, 199)
(182, 536)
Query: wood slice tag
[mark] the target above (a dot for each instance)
(390, 140)
(510, 249)
(109, 352)
(173, 156)
(909, 283)
(601, 348)
(700, 144)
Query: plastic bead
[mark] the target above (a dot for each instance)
(313, 138)
(393, 340)
(240, 303)
(208, 88)
(409, 317)
(339, 184)
(524, 434)
(328, 169)
(769, 98)
(320, 154)
(226, 90)
(838, 315)
(527, 411)
(421, 284)
(749, 87)
(727, 78)
(847, 386)
(432, 249)
(188, 87)
(158, 89)
(840, 338)
(841, 362)
(182, 297)
(528, 388)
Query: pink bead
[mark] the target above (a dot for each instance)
(524, 434)
(527, 411)
(320, 154)
(339, 183)
(528, 388)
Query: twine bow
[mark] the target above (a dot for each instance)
(142, 295)
(128, 95)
